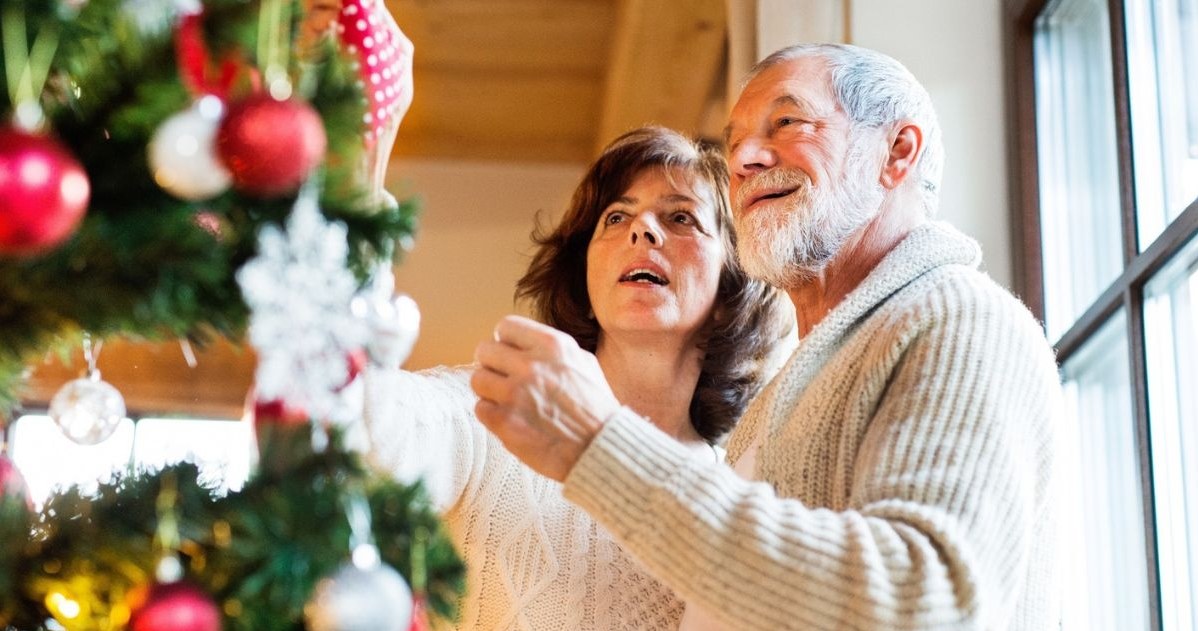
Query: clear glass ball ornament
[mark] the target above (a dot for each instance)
(87, 410)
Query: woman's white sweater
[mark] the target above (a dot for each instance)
(533, 560)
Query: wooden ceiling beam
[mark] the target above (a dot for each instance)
(666, 66)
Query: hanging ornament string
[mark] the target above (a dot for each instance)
(26, 69)
(166, 535)
(91, 356)
(363, 552)
(274, 30)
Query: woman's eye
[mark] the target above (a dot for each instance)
(613, 218)
(684, 218)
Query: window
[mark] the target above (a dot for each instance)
(1105, 170)
(221, 449)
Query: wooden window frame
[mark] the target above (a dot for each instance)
(1126, 292)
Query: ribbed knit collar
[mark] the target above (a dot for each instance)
(929, 246)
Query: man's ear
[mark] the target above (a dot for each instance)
(906, 141)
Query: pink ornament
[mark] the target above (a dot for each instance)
(419, 615)
(384, 59)
(43, 193)
(175, 606)
(270, 147)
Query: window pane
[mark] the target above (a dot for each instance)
(1162, 56)
(1102, 524)
(221, 449)
(1171, 336)
(50, 461)
(1079, 184)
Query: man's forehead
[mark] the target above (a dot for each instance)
(806, 79)
(803, 84)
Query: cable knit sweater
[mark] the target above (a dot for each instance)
(533, 560)
(903, 470)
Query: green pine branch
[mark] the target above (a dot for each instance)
(141, 265)
(258, 551)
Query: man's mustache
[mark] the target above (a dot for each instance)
(769, 181)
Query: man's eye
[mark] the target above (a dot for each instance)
(790, 121)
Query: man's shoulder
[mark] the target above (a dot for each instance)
(955, 297)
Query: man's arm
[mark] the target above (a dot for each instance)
(942, 513)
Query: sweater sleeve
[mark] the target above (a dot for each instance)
(947, 482)
(421, 425)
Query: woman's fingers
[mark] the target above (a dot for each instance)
(537, 339)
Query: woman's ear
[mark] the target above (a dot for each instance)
(906, 141)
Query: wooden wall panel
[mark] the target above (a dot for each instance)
(155, 378)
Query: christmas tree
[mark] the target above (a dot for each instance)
(172, 172)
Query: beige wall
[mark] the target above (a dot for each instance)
(954, 49)
(473, 243)
(472, 246)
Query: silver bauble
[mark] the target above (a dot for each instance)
(354, 599)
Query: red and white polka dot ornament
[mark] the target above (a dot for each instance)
(383, 57)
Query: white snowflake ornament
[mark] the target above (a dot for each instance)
(299, 290)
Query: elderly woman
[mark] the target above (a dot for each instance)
(641, 271)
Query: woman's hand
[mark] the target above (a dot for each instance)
(540, 394)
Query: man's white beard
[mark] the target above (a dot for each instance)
(792, 242)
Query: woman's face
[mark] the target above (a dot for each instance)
(654, 260)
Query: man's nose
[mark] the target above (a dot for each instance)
(751, 155)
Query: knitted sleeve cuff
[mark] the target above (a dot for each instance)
(622, 470)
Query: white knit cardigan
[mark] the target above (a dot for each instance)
(904, 477)
(533, 561)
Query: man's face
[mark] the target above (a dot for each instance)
(802, 180)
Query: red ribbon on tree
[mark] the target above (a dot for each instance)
(195, 68)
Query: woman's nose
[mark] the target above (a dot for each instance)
(646, 230)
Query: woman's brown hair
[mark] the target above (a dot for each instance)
(748, 319)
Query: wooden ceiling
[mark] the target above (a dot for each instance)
(555, 80)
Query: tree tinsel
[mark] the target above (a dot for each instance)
(141, 265)
(258, 552)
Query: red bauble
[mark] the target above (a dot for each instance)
(43, 193)
(270, 147)
(177, 606)
(12, 483)
(276, 412)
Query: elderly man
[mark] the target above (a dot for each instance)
(896, 472)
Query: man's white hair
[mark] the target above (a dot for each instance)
(875, 91)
